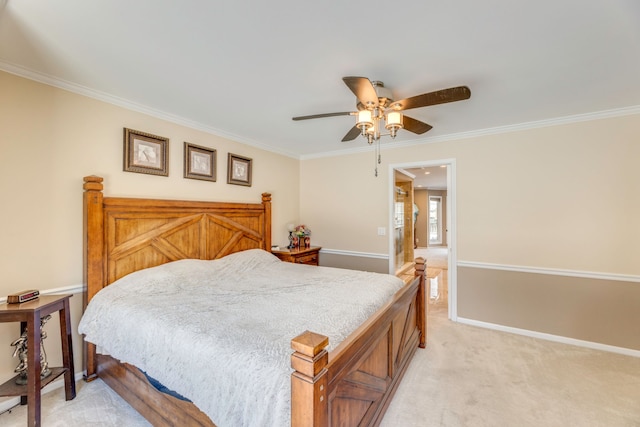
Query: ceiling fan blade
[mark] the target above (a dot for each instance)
(415, 126)
(433, 98)
(363, 90)
(352, 134)
(318, 116)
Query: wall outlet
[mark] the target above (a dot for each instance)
(382, 231)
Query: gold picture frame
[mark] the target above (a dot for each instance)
(199, 162)
(239, 170)
(145, 153)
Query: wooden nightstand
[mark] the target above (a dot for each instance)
(29, 314)
(310, 256)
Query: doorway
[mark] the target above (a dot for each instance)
(432, 227)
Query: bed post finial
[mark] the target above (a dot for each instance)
(421, 271)
(309, 406)
(93, 183)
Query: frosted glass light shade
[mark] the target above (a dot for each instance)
(364, 119)
(394, 119)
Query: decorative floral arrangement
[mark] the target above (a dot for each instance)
(302, 230)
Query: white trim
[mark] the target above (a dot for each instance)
(55, 385)
(391, 200)
(551, 271)
(75, 289)
(550, 337)
(452, 240)
(133, 106)
(353, 253)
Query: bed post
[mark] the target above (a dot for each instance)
(93, 254)
(420, 270)
(266, 202)
(309, 406)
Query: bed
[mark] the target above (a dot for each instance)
(350, 385)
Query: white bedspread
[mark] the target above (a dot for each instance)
(218, 332)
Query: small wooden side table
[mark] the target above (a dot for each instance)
(29, 314)
(310, 256)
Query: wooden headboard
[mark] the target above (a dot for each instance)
(123, 235)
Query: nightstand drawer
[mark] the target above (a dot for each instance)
(311, 259)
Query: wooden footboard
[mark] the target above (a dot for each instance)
(354, 384)
(351, 386)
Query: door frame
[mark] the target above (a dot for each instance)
(451, 224)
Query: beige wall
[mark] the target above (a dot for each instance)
(344, 203)
(593, 310)
(562, 197)
(50, 139)
(529, 198)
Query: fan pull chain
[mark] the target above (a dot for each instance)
(375, 168)
(378, 157)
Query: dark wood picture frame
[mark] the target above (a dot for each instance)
(239, 170)
(199, 162)
(145, 153)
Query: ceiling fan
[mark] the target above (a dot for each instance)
(375, 105)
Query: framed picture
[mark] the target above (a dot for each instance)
(145, 153)
(199, 162)
(239, 170)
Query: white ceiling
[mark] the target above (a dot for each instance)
(242, 69)
(431, 178)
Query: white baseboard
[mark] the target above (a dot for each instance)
(550, 337)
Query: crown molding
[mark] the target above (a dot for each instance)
(129, 105)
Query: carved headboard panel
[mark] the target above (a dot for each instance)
(123, 235)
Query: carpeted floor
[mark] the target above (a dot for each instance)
(466, 377)
(474, 377)
(95, 405)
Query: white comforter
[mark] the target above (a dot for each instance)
(218, 332)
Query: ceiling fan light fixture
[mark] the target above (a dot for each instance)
(364, 120)
(375, 104)
(393, 122)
